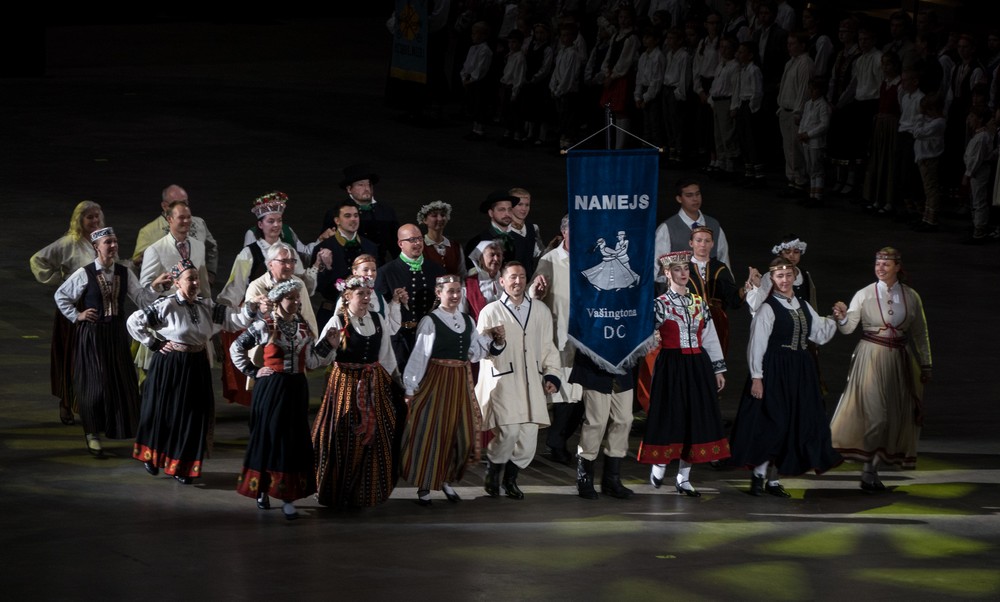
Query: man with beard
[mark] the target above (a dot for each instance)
(497, 206)
(378, 220)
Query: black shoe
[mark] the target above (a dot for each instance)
(585, 479)
(510, 481)
(66, 416)
(453, 496)
(688, 492)
(756, 485)
(611, 480)
(653, 480)
(263, 501)
(776, 490)
(561, 455)
(151, 468)
(873, 487)
(183, 480)
(492, 481)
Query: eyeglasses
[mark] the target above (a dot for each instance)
(414, 240)
(288, 261)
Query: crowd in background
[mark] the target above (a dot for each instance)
(896, 114)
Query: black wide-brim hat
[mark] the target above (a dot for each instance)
(361, 171)
(495, 197)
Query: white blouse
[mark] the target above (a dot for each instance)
(188, 322)
(70, 292)
(416, 366)
(366, 327)
(821, 332)
(56, 262)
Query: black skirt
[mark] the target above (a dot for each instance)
(178, 413)
(104, 379)
(684, 420)
(279, 456)
(788, 425)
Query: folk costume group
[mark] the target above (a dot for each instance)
(421, 418)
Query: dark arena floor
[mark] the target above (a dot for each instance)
(232, 110)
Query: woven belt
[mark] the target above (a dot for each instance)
(892, 342)
(185, 348)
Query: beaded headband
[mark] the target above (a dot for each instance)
(676, 258)
(282, 289)
(272, 202)
(704, 229)
(96, 234)
(446, 279)
(891, 254)
(181, 267)
(791, 244)
(433, 207)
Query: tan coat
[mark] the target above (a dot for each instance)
(510, 388)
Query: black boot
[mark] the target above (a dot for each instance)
(585, 478)
(492, 482)
(611, 480)
(510, 482)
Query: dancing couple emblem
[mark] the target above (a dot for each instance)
(613, 272)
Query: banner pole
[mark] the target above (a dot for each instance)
(608, 122)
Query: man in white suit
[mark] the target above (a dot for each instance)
(164, 254)
(513, 383)
(158, 228)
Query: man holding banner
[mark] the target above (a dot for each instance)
(612, 197)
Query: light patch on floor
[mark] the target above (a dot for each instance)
(954, 582)
(824, 543)
(918, 542)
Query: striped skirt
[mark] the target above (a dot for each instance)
(107, 389)
(441, 439)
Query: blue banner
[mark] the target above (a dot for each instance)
(409, 41)
(612, 217)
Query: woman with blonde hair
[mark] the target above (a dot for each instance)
(53, 265)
